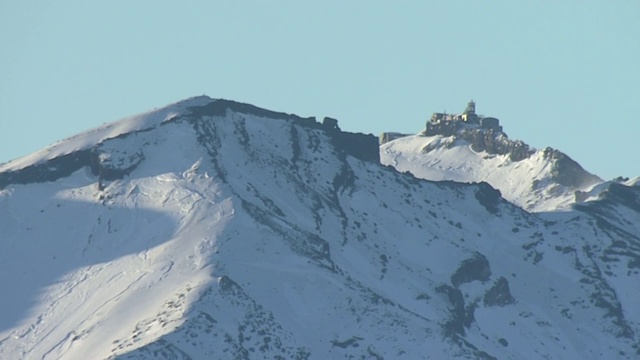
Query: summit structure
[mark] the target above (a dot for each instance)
(468, 147)
(450, 124)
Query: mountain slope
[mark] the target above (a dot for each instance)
(229, 231)
(536, 180)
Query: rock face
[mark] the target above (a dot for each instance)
(488, 138)
(496, 143)
(566, 171)
(47, 171)
(489, 197)
(474, 269)
(499, 294)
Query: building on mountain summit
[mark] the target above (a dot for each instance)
(448, 124)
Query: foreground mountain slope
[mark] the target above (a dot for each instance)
(228, 231)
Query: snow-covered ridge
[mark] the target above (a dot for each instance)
(472, 148)
(88, 149)
(545, 180)
(86, 140)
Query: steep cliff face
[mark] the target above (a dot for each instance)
(235, 232)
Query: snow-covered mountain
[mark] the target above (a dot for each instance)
(466, 151)
(214, 229)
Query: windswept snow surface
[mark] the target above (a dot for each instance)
(528, 183)
(239, 235)
(92, 137)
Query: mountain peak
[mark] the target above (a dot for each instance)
(99, 148)
(212, 228)
(87, 139)
(468, 147)
(449, 124)
(483, 132)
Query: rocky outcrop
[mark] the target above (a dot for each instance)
(494, 142)
(50, 170)
(566, 171)
(489, 138)
(475, 268)
(499, 294)
(361, 146)
(488, 197)
(459, 318)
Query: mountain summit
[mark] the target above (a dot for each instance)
(215, 229)
(468, 147)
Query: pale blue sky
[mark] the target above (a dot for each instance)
(557, 73)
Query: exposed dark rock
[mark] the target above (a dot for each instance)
(228, 285)
(351, 342)
(469, 314)
(218, 108)
(628, 196)
(114, 165)
(461, 317)
(330, 124)
(345, 179)
(456, 323)
(267, 202)
(603, 294)
(295, 146)
(488, 137)
(499, 294)
(300, 241)
(475, 268)
(361, 146)
(625, 241)
(566, 171)
(495, 142)
(488, 197)
(62, 166)
(51, 170)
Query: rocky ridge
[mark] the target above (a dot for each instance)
(469, 149)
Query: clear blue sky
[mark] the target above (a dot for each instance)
(557, 73)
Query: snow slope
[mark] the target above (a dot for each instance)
(534, 183)
(86, 140)
(227, 231)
